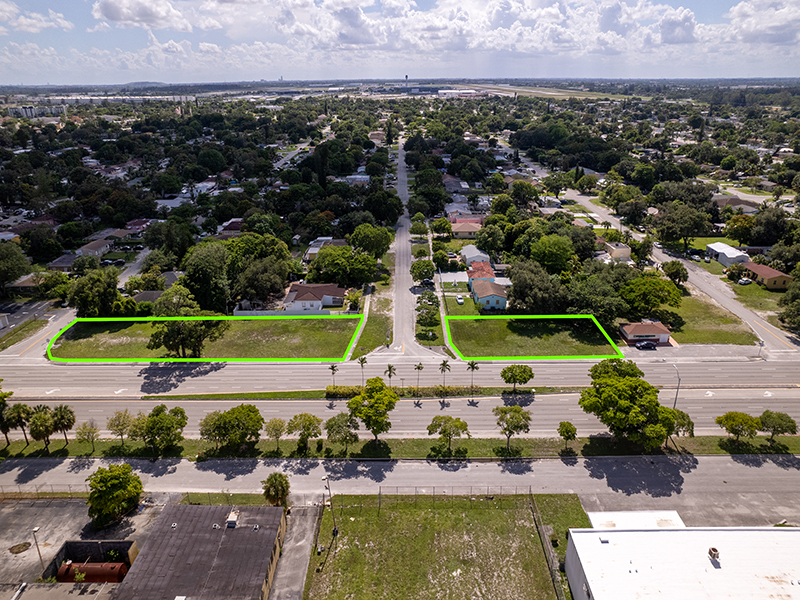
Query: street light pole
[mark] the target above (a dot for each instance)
(41, 562)
(674, 404)
(333, 511)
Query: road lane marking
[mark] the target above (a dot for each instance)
(767, 394)
(51, 391)
(34, 343)
(779, 338)
(122, 390)
(709, 394)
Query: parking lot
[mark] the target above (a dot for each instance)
(18, 313)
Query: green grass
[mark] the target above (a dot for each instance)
(461, 286)
(429, 547)
(454, 308)
(128, 256)
(712, 267)
(701, 242)
(222, 499)
(323, 338)
(288, 395)
(374, 333)
(26, 330)
(412, 448)
(528, 337)
(561, 512)
(757, 297)
(700, 322)
(456, 245)
(425, 339)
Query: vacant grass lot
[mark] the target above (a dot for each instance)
(26, 330)
(528, 337)
(454, 308)
(293, 338)
(415, 547)
(701, 322)
(757, 297)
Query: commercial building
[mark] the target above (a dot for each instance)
(690, 563)
(726, 255)
(652, 331)
(209, 552)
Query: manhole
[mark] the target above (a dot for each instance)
(19, 548)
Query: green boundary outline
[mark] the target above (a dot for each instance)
(518, 317)
(50, 356)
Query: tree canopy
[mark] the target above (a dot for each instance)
(373, 405)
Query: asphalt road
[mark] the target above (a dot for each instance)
(411, 418)
(18, 313)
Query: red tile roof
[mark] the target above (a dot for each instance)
(480, 269)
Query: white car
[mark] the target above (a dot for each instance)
(745, 281)
(460, 299)
(658, 245)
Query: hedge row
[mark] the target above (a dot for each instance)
(436, 391)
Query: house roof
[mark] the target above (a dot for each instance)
(119, 233)
(633, 329)
(480, 269)
(466, 227)
(65, 260)
(472, 250)
(310, 292)
(764, 270)
(484, 288)
(95, 245)
(148, 296)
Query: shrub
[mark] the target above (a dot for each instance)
(342, 391)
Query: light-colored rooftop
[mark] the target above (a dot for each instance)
(675, 563)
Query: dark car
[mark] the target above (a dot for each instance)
(120, 262)
(646, 345)
(427, 283)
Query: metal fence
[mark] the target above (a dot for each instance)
(45, 490)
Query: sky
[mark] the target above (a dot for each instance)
(182, 41)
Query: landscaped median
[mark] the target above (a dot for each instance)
(269, 338)
(529, 337)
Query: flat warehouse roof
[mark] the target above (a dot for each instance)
(675, 563)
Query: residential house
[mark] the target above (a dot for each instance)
(770, 278)
(652, 331)
(726, 255)
(95, 248)
(353, 180)
(470, 254)
(313, 296)
(480, 271)
(488, 294)
(118, 235)
(63, 263)
(9, 236)
(148, 296)
(137, 227)
(618, 250)
(465, 231)
(232, 228)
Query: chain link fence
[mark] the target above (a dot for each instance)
(45, 490)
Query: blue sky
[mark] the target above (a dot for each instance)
(119, 41)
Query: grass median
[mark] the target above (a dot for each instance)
(22, 332)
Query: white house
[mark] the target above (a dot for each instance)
(470, 254)
(313, 296)
(726, 255)
(95, 248)
(651, 331)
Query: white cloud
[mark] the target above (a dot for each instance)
(101, 26)
(8, 10)
(759, 21)
(678, 27)
(36, 22)
(155, 14)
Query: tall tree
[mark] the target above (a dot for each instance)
(13, 264)
(517, 374)
(113, 492)
(777, 423)
(373, 405)
(120, 424)
(447, 428)
(41, 426)
(362, 362)
(63, 420)
(512, 420)
(18, 416)
(372, 240)
(306, 426)
(739, 424)
(341, 429)
(5, 422)
(276, 489)
(87, 433)
(206, 275)
(275, 429)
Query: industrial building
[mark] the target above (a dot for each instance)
(689, 563)
(209, 552)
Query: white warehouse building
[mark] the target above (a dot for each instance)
(726, 255)
(691, 563)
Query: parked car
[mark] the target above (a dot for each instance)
(120, 262)
(658, 245)
(697, 258)
(646, 345)
(451, 255)
(745, 281)
(460, 299)
(427, 283)
(707, 259)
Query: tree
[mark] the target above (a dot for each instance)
(87, 433)
(343, 265)
(333, 369)
(586, 183)
(120, 424)
(390, 372)
(13, 264)
(444, 367)
(341, 429)
(683, 424)
(422, 269)
(629, 407)
(372, 240)
(183, 338)
(95, 293)
(373, 405)
(307, 426)
(418, 228)
(555, 183)
(418, 368)
(739, 424)
(512, 420)
(113, 492)
(777, 423)
(161, 429)
(740, 228)
(472, 366)
(41, 426)
(680, 222)
(206, 275)
(567, 431)
(263, 279)
(553, 252)
(276, 489)
(676, 271)
(63, 420)
(442, 226)
(646, 294)
(534, 291)
(275, 429)
(517, 374)
(523, 193)
(234, 427)
(447, 428)
(490, 239)
(362, 362)
(18, 416)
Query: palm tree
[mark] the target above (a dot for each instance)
(362, 360)
(41, 426)
(606, 225)
(472, 366)
(63, 420)
(390, 372)
(418, 367)
(443, 369)
(333, 369)
(18, 416)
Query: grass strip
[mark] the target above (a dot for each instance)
(416, 448)
(27, 329)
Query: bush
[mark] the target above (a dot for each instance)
(343, 391)
(420, 252)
